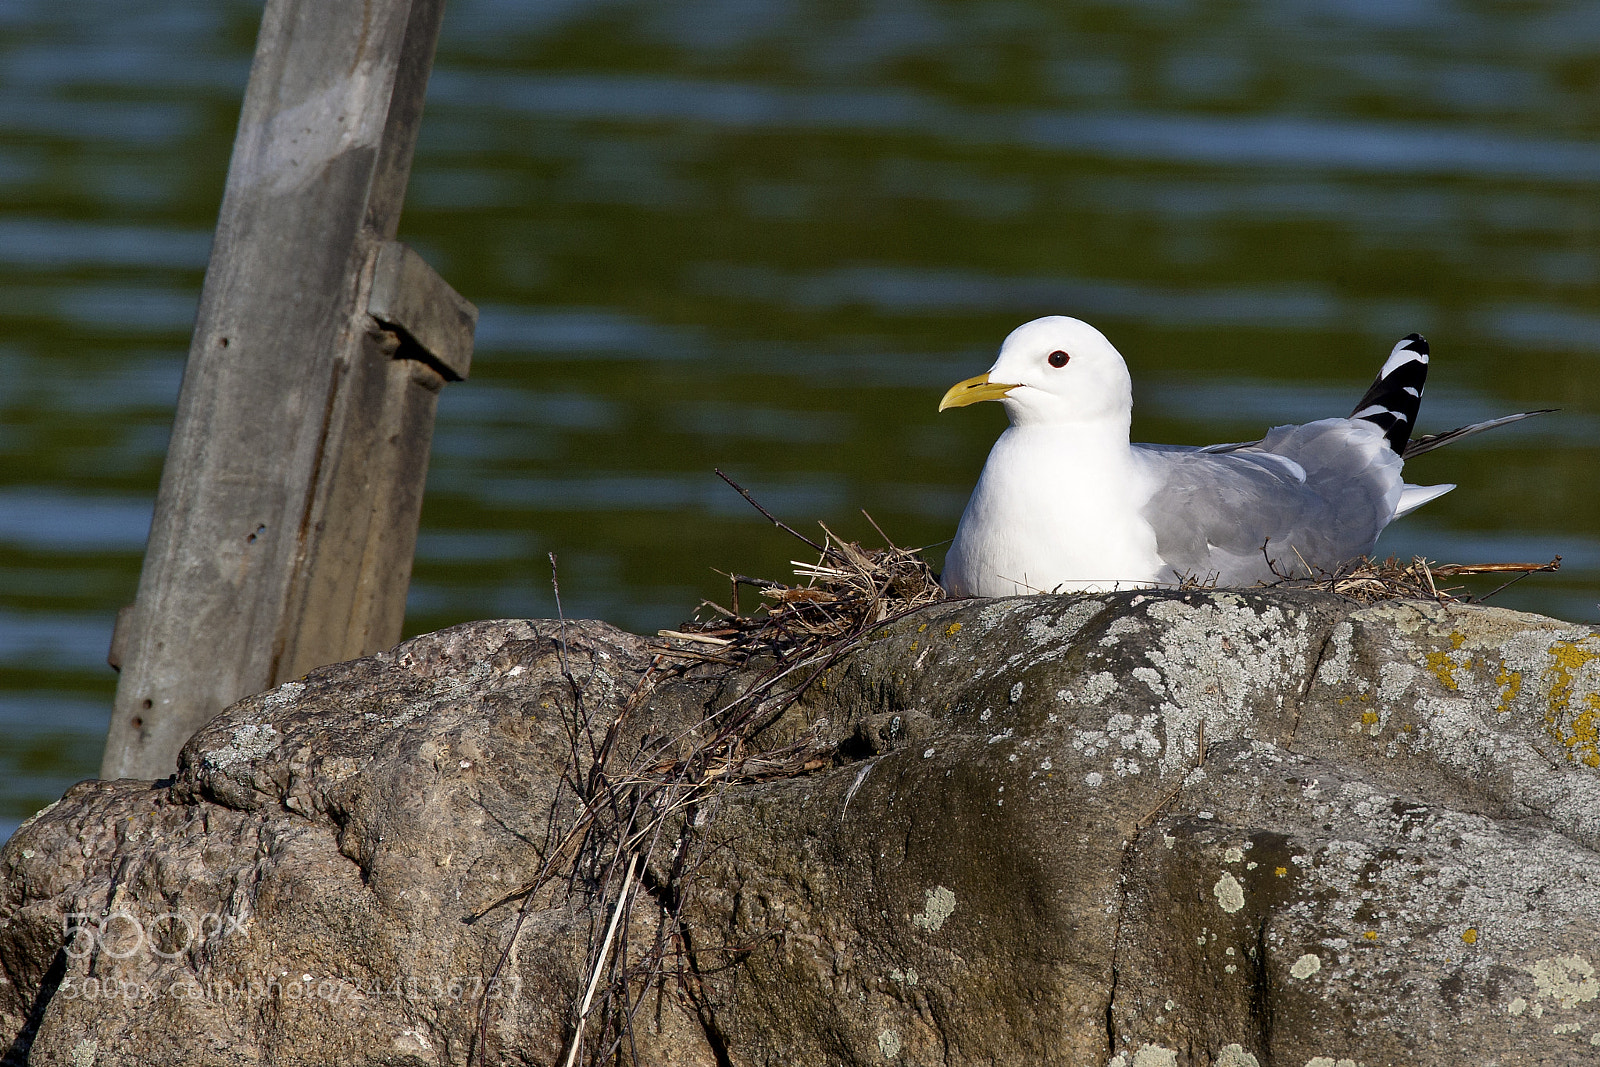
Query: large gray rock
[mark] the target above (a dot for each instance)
(1132, 830)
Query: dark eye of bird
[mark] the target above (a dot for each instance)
(1059, 359)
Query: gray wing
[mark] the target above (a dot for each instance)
(1312, 495)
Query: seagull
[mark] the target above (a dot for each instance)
(1066, 504)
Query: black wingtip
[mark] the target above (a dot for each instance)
(1392, 402)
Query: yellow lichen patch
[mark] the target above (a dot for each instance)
(923, 628)
(1443, 668)
(1280, 871)
(1371, 935)
(1470, 935)
(953, 629)
(1510, 683)
(913, 646)
(1577, 728)
(1456, 639)
(1368, 718)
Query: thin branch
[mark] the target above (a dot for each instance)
(779, 523)
(875, 526)
(1527, 569)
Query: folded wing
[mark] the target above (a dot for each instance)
(1297, 503)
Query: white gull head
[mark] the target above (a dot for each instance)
(1053, 370)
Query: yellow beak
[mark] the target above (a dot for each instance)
(972, 391)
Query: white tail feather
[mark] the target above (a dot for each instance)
(1413, 497)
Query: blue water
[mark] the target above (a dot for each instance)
(766, 236)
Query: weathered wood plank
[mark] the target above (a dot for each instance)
(288, 506)
(410, 297)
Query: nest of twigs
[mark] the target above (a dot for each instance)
(849, 591)
(1366, 580)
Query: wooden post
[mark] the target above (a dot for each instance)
(287, 514)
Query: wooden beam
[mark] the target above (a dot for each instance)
(287, 515)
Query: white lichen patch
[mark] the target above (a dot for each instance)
(939, 905)
(1095, 688)
(1233, 854)
(1152, 678)
(1306, 966)
(1155, 1056)
(1090, 742)
(1566, 980)
(1329, 1061)
(888, 1044)
(1059, 630)
(1229, 893)
(1394, 679)
(1121, 627)
(996, 612)
(1335, 666)
(1215, 661)
(1135, 735)
(282, 696)
(1234, 1056)
(249, 742)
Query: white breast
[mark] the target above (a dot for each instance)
(1056, 509)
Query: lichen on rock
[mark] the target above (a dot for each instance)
(1156, 828)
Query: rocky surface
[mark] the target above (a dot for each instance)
(1131, 830)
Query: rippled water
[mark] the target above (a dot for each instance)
(766, 235)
